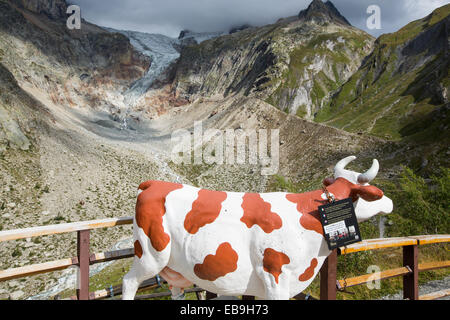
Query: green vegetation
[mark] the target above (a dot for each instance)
(17, 252)
(391, 95)
(412, 29)
(281, 184)
(302, 57)
(301, 111)
(420, 207)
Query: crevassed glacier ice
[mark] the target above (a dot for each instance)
(162, 51)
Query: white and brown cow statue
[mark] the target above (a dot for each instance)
(269, 245)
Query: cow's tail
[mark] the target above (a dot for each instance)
(143, 186)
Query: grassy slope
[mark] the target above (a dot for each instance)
(301, 57)
(390, 104)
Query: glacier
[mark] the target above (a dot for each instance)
(162, 50)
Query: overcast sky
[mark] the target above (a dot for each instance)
(169, 17)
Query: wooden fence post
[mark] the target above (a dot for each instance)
(411, 280)
(328, 277)
(83, 263)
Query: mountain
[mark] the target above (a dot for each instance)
(58, 91)
(73, 67)
(187, 36)
(322, 13)
(54, 9)
(293, 64)
(401, 91)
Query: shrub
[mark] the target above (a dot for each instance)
(420, 206)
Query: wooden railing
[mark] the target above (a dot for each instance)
(329, 285)
(83, 259)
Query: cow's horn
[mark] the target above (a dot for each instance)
(339, 169)
(370, 174)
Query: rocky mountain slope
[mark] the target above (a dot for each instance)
(321, 13)
(53, 168)
(293, 64)
(401, 91)
(79, 68)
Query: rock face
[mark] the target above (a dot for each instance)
(90, 67)
(294, 64)
(400, 84)
(322, 13)
(55, 9)
(239, 28)
(16, 118)
(401, 91)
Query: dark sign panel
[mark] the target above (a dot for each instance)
(339, 223)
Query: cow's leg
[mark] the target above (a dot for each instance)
(142, 269)
(133, 279)
(275, 290)
(177, 293)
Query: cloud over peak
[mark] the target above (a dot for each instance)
(169, 17)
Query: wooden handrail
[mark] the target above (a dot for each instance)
(429, 239)
(26, 271)
(34, 269)
(435, 295)
(390, 273)
(373, 244)
(84, 227)
(62, 228)
(111, 255)
(426, 266)
(386, 274)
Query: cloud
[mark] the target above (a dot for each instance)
(169, 17)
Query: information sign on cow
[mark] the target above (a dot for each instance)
(339, 223)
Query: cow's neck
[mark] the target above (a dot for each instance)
(308, 203)
(341, 189)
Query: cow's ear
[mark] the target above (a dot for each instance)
(328, 181)
(368, 193)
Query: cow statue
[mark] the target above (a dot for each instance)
(269, 245)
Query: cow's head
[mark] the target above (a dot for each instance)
(367, 200)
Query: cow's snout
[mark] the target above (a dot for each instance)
(388, 205)
(365, 210)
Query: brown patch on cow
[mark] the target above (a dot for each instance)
(205, 210)
(257, 211)
(218, 265)
(150, 209)
(273, 261)
(137, 249)
(368, 193)
(307, 205)
(309, 272)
